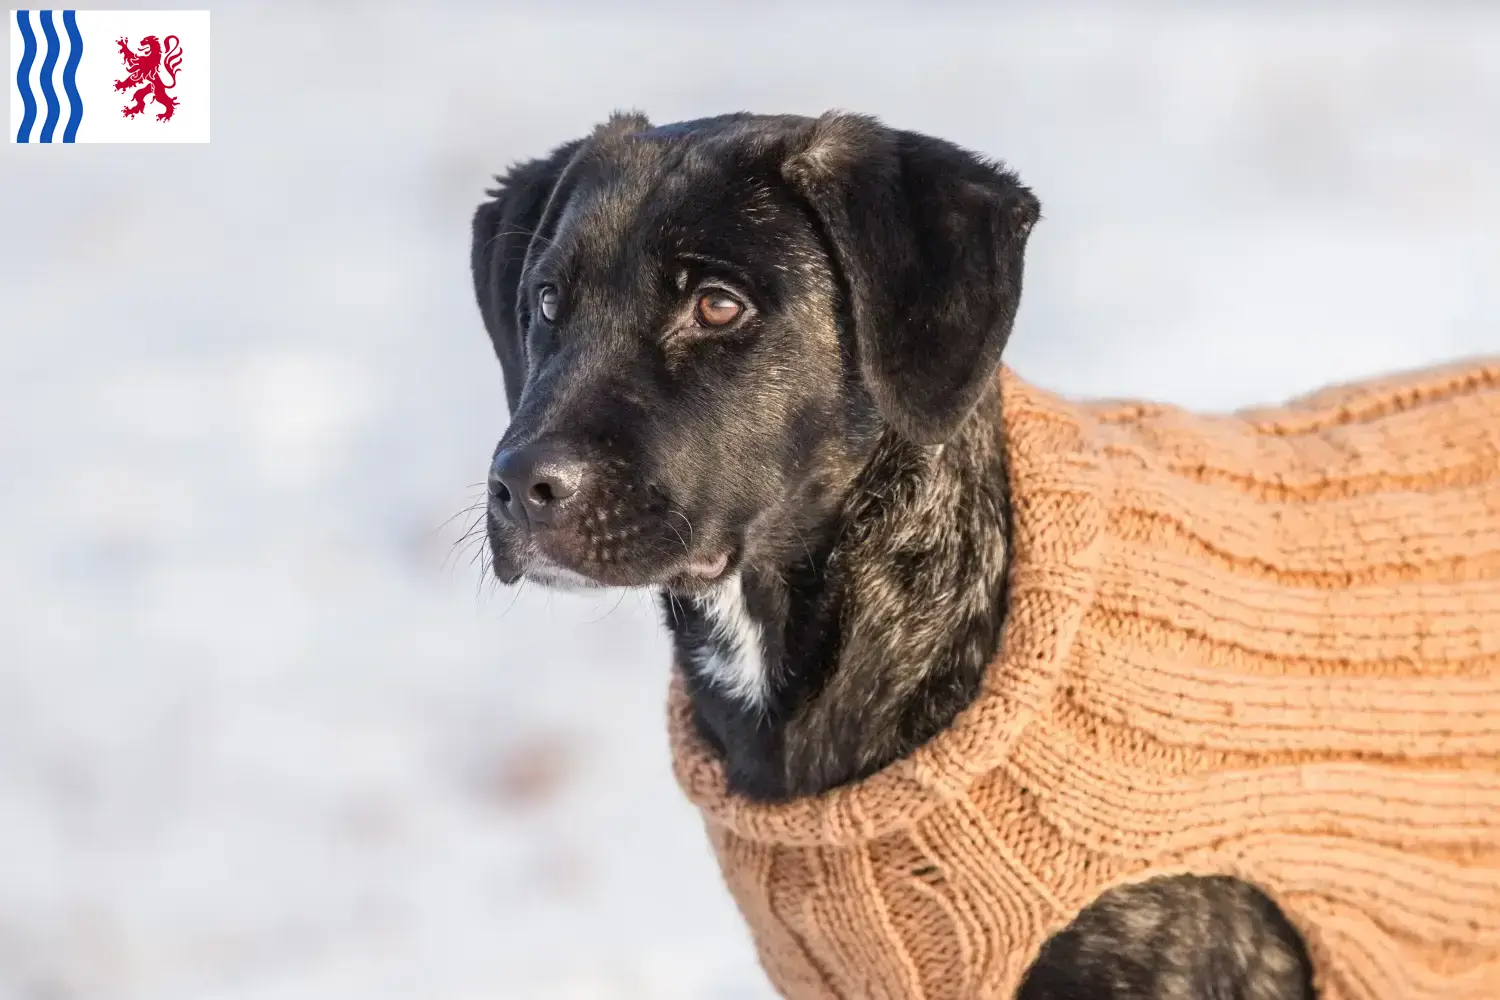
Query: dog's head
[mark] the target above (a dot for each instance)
(705, 327)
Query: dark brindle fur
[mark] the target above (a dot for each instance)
(816, 487)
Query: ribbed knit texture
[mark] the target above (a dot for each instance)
(1264, 645)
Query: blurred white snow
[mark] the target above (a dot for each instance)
(258, 741)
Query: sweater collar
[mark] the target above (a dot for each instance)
(1059, 497)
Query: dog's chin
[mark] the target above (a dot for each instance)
(549, 574)
(693, 576)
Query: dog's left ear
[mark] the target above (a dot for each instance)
(504, 228)
(515, 218)
(930, 239)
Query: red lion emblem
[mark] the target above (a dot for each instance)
(152, 68)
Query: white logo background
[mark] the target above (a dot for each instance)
(101, 65)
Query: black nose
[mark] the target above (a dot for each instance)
(530, 483)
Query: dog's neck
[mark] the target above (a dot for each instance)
(815, 673)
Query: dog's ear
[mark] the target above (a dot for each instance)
(930, 240)
(503, 230)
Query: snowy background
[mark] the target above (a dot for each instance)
(263, 736)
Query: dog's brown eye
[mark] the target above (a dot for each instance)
(717, 309)
(546, 301)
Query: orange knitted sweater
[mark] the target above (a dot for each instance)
(1264, 645)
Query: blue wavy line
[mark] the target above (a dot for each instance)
(23, 75)
(70, 72)
(54, 109)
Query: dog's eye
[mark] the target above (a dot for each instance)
(546, 300)
(717, 309)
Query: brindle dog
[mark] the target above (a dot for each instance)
(750, 362)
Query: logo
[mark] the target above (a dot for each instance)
(70, 68)
(146, 68)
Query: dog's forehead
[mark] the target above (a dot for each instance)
(673, 182)
(739, 127)
(660, 164)
(684, 129)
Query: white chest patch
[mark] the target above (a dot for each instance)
(735, 661)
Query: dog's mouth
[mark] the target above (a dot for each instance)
(697, 575)
(709, 569)
(700, 574)
(609, 545)
(694, 574)
(558, 577)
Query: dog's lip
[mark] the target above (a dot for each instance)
(561, 578)
(692, 575)
(710, 567)
(701, 574)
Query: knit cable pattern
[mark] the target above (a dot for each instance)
(1264, 644)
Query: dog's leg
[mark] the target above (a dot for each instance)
(1174, 938)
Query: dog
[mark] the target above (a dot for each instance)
(750, 364)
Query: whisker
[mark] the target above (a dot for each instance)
(477, 532)
(686, 546)
(805, 548)
(476, 505)
(618, 602)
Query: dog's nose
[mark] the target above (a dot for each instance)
(530, 483)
